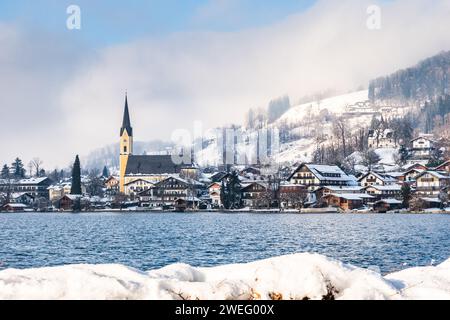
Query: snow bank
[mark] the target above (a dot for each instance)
(298, 276)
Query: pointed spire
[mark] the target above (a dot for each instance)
(126, 123)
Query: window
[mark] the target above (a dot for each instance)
(124, 148)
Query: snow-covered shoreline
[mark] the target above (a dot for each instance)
(298, 276)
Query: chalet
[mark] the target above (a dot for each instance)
(385, 205)
(422, 147)
(373, 178)
(137, 186)
(444, 167)
(214, 190)
(254, 195)
(36, 187)
(23, 198)
(112, 185)
(411, 174)
(167, 191)
(347, 201)
(430, 183)
(384, 192)
(314, 176)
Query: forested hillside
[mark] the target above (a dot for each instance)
(428, 80)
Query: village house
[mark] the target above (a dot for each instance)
(314, 176)
(384, 192)
(347, 201)
(23, 198)
(167, 191)
(36, 187)
(112, 185)
(326, 190)
(14, 207)
(57, 191)
(422, 147)
(253, 195)
(134, 187)
(411, 174)
(68, 201)
(430, 183)
(214, 190)
(373, 178)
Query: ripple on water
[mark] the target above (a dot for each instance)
(147, 241)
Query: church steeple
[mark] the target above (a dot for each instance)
(126, 144)
(126, 123)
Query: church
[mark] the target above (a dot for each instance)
(144, 171)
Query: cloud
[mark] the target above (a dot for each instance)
(216, 76)
(34, 71)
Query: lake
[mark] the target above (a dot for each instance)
(152, 240)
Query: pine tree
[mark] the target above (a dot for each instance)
(406, 195)
(76, 177)
(224, 199)
(18, 169)
(234, 191)
(5, 172)
(105, 173)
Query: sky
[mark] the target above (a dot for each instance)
(62, 91)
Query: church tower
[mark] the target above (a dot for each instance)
(126, 143)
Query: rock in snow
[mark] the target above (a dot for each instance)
(298, 276)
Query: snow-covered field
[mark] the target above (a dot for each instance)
(295, 276)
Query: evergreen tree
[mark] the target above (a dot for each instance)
(5, 174)
(406, 195)
(224, 199)
(76, 177)
(234, 191)
(18, 169)
(404, 154)
(105, 173)
(42, 173)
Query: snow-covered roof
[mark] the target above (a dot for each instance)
(16, 205)
(437, 174)
(390, 201)
(343, 188)
(351, 196)
(320, 171)
(427, 199)
(32, 180)
(393, 187)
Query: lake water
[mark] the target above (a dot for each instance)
(146, 241)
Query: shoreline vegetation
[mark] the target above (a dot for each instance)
(302, 276)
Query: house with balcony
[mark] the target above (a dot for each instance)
(422, 147)
(431, 183)
(372, 178)
(314, 176)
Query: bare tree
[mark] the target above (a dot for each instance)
(36, 163)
